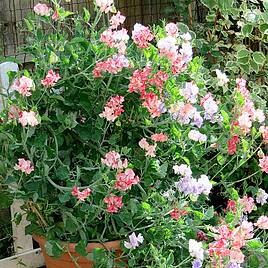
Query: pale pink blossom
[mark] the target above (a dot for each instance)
(237, 256)
(247, 204)
(262, 222)
(261, 197)
(113, 160)
(28, 118)
(134, 241)
(186, 51)
(263, 164)
(24, 85)
(82, 196)
(42, 10)
(125, 180)
(24, 166)
(264, 131)
(245, 123)
(105, 5)
(51, 79)
(142, 35)
(117, 20)
(168, 47)
(160, 137)
(172, 29)
(149, 149)
(114, 203)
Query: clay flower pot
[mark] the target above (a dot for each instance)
(65, 261)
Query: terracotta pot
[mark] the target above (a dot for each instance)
(65, 261)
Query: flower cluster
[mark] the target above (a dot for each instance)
(112, 65)
(28, 118)
(125, 180)
(113, 160)
(42, 10)
(149, 149)
(51, 79)
(190, 186)
(113, 108)
(24, 166)
(82, 196)
(114, 203)
(24, 86)
(105, 5)
(141, 35)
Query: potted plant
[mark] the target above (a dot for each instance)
(111, 140)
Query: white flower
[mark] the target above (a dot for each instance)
(196, 250)
(195, 135)
(183, 170)
(261, 197)
(205, 184)
(259, 116)
(186, 37)
(222, 77)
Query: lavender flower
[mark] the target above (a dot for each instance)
(232, 265)
(197, 263)
(134, 241)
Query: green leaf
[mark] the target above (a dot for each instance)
(80, 248)
(254, 244)
(209, 213)
(259, 57)
(86, 15)
(163, 170)
(54, 248)
(254, 262)
(63, 173)
(225, 116)
(5, 200)
(210, 3)
(243, 53)
(221, 160)
(247, 29)
(146, 206)
(265, 3)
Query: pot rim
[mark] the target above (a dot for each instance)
(110, 245)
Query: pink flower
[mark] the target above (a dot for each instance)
(161, 137)
(13, 112)
(112, 159)
(179, 65)
(139, 80)
(42, 10)
(247, 203)
(263, 164)
(114, 203)
(232, 144)
(51, 79)
(124, 180)
(112, 65)
(262, 222)
(82, 196)
(150, 149)
(210, 106)
(116, 20)
(237, 256)
(172, 29)
(264, 132)
(142, 35)
(153, 104)
(177, 213)
(113, 108)
(158, 80)
(134, 241)
(105, 5)
(24, 166)
(245, 123)
(28, 118)
(55, 15)
(24, 85)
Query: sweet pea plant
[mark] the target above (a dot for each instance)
(118, 135)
